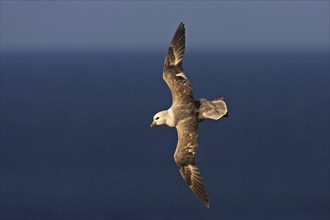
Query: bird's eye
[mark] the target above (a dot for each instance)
(157, 118)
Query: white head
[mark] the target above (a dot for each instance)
(162, 118)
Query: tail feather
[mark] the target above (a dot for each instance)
(214, 109)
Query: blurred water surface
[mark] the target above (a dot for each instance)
(76, 141)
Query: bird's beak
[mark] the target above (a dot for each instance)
(152, 124)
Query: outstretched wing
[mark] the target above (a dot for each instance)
(173, 73)
(185, 155)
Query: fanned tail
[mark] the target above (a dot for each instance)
(214, 109)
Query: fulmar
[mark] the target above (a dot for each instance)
(185, 114)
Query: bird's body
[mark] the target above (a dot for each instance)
(185, 114)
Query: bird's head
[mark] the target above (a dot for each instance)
(159, 119)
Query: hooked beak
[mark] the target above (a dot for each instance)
(152, 124)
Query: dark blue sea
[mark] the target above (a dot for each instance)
(76, 141)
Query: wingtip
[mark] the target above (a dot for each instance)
(206, 204)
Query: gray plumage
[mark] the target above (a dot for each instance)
(185, 114)
(214, 109)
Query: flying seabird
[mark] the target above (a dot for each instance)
(185, 114)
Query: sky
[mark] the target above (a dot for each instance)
(72, 148)
(150, 25)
